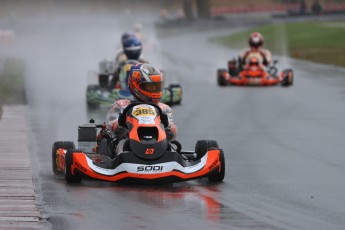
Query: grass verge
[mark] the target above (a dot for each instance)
(320, 42)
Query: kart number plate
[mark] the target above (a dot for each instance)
(145, 114)
(144, 111)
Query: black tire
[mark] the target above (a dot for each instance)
(57, 145)
(218, 176)
(289, 78)
(92, 107)
(202, 146)
(211, 144)
(220, 78)
(70, 178)
(91, 88)
(171, 86)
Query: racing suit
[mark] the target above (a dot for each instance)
(121, 132)
(120, 57)
(120, 75)
(263, 55)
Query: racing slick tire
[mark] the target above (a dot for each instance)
(171, 87)
(220, 78)
(219, 175)
(288, 77)
(202, 146)
(91, 88)
(57, 145)
(70, 178)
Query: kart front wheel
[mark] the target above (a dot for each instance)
(219, 175)
(69, 176)
(288, 77)
(202, 146)
(220, 77)
(59, 145)
(91, 97)
(176, 94)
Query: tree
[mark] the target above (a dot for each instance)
(203, 8)
(187, 8)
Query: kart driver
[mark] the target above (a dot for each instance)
(145, 82)
(132, 50)
(256, 40)
(121, 56)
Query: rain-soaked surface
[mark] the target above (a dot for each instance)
(284, 147)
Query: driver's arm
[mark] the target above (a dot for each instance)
(113, 117)
(171, 130)
(267, 56)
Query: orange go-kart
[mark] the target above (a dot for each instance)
(147, 157)
(254, 73)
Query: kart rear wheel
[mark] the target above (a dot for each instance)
(90, 91)
(57, 145)
(220, 77)
(219, 175)
(202, 146)
(70, 178)
(171, 87)
(92, 107)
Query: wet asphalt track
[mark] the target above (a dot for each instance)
(284, 147)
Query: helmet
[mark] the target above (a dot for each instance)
(132, 47)
(256, 40)
(126, 35)
(145, 83)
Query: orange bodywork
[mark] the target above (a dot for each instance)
(253, 75)
(80, 163)
(133, 134)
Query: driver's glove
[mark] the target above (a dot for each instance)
(170, 134)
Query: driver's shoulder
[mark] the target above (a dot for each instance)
(164, 107)
(122, 103)
(265, 51)
(244, 51)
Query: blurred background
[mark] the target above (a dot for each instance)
(284, 147)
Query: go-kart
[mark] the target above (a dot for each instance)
(147, 156)
(253, 73)
(104, 94)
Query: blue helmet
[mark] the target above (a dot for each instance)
(132, 47)
(126, 35)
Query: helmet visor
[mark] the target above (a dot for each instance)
(152, 87)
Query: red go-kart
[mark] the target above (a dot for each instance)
(254, 73)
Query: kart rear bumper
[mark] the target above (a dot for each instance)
(254, 81)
